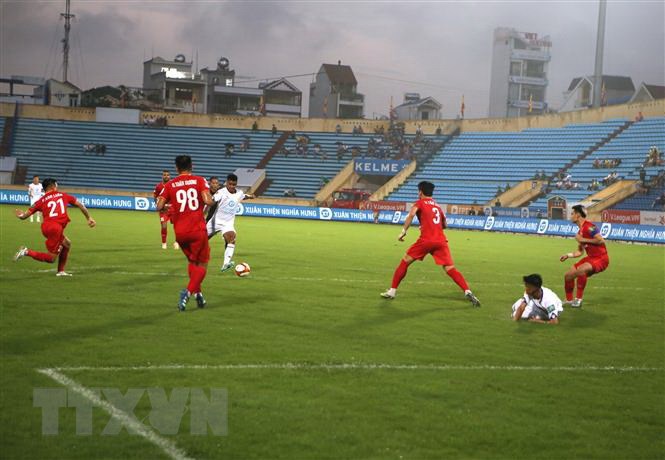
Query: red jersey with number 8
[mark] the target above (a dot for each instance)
(53, 207)
(185, 194)
(432, 220)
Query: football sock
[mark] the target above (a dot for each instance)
(32, 217)
(458, 279)
(569, 285)
(41, 256)
(400, 273)
(581, 284)
(197, 274)
(164, 235)
(62, 260)
(228, 252)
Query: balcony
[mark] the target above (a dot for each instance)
(283, 108)
(537, 105)
(352, 99)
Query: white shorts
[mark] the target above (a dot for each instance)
(219, 226)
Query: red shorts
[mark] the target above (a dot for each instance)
(55, 235)
(164, 217)
(598, 264)
(195, 246)
(438, 249)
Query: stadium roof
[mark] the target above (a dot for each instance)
(340, 74)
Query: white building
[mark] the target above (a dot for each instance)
(334, 94)
(648, 93)
(518, 85)
(415, 108)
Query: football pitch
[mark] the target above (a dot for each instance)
(314, 364)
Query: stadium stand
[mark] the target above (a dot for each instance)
(306, 175)
(472, 167)
(134, 155)
(631, 147)
(643, 202)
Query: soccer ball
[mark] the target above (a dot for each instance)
(242, 269)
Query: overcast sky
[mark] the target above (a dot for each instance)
(439, 49)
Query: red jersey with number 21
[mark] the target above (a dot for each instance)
(432, 220)
(185, 194)
(53, 207)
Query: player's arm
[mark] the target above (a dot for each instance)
(407, 222)
(24, 214)
(207, 197)
(573, 255)
(86, 213)
(249, 196)
(596, 240)
(161, 203)
(518, 313)
(554, 320)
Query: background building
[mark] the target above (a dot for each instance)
(415, 108)
(334, 93)
(579, 96)
(519, 73)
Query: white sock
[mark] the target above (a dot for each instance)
(392, 291)
(228, 253)
(31, 217)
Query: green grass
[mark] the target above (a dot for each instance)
(312, 298)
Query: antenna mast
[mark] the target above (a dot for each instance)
(65, 41)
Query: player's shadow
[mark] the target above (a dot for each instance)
(388, 314)
(37, 342)
(582, 318)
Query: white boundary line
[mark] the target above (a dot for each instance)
(357, 366)
(165, 445)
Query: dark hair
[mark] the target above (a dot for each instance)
(166, 171)
(183, 163)
(232, 177)
(48, 182)
(35, 176)
(426, 187)
(579, 209)
(533, 280)
(212, 178)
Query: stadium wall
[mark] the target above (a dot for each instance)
(611, 231)
(648, 109)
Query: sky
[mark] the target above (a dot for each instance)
(438, 49)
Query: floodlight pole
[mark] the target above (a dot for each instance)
(600, 42)
(65, 41)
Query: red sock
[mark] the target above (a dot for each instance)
(197, 274)
(458, 279)
(62, 260)
(164, 235)
(41, 256)
(400, 273)
(581, 284)
(569, 285)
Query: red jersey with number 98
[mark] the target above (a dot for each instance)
(53, 206)
(185, 194)
(432, 220)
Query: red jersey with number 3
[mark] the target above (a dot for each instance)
(185, 194)
(589, 231)
(53, 207)
(432, 220)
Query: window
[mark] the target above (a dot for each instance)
(516, 68)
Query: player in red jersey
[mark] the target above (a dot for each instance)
(596, 261)
(53, 206)
(187, 195)
(164, 214)
(432, 241)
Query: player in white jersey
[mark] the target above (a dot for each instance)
(35, 192)
(538, 304)
(222, 215)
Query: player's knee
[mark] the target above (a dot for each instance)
(569, 276)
